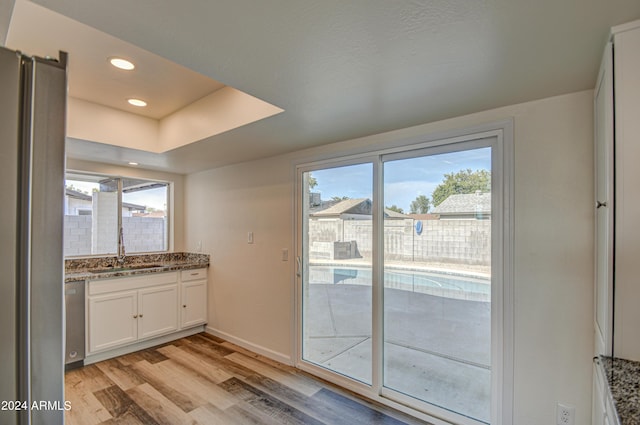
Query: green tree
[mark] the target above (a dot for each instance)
(339, 198)
(464, 181)
(420, 205)
(395, 208)
(312, 181)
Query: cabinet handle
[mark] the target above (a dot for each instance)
(195, 274)
(135, 317)
(140, 316)
(184, 306)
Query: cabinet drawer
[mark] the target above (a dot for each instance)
(131, 282)
(195, 274)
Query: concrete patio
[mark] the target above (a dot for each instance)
(437, 349)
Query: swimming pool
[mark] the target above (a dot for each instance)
(426, 282)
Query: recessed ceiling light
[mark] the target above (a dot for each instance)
(137, 102)
(122, 63)
(133, 163)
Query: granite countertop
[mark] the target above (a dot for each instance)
(79, 269)
(623, 377)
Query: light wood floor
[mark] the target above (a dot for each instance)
(205, 380)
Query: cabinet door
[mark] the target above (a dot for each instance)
(157, 311)
(194, 303)
(627, 207)
(112, 320)
(603, 111)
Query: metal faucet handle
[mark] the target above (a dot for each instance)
(121, 250)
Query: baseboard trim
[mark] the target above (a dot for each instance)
(273, 355)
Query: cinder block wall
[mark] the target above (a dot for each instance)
(465, 241)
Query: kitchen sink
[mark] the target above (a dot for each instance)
(127, 268)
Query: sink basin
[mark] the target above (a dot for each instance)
(127, 268)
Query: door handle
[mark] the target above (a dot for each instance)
(299, 271)
(600, 204)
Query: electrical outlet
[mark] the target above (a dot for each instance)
(565, 415)
(250, 237)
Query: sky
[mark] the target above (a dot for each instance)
(404, 180)
(154, 198)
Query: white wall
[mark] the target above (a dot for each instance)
(90, 121)
(251, 294)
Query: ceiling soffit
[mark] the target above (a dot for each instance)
(183, 105)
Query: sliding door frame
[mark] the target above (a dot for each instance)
(502, 315)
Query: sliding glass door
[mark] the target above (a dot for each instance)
(337, 222)
(437, 280)
(400, 290)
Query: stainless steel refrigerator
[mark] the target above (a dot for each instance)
(32, 162)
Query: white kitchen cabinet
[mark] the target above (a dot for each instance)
(617, 233)
(617, 150)
(122, 311)
(193, 297)
(598, 416)
(603, 412)
(112, 320)
(126, 313)
(157, 312)
(603, 149)
(626, 44)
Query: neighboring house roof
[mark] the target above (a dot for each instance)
(393, 214)
(468, 203)
(78, 195)
(359, 206)
(135, 207)
(85, 197)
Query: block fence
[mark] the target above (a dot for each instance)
(446, 241)
(141, 234)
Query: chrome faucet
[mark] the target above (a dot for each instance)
(121, 252)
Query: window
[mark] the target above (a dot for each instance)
(98, 206)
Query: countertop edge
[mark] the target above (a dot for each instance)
(622, 378)
(79, 276)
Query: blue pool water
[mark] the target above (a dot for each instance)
(416, 281)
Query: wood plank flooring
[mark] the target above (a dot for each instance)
(202, 380)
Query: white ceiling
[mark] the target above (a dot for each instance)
(37, 31)
(348, 68)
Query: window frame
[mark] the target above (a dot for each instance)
(169, 224)
(503, 207)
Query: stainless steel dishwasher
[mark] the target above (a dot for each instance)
(74, 314)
